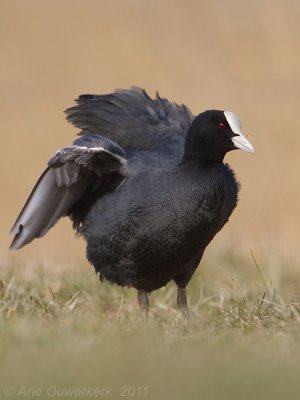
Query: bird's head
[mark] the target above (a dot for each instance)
(213, 133)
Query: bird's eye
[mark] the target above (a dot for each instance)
(221, 125)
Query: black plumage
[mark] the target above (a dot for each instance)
(145, 184)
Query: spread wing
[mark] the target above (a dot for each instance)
(72, 180)
(133, 120)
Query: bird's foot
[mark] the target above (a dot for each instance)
(144, 303)
(182, 304)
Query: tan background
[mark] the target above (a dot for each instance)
(238, 55)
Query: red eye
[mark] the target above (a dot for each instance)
(221, 125)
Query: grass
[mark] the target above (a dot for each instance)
(63, 334)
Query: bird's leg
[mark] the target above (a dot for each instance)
(182, 303)
(144, 303)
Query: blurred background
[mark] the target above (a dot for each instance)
(234, 55)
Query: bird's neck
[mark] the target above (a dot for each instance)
(201, 156)
(200, 162)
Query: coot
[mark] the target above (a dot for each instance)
(145, 185)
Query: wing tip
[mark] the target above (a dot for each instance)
(19, 239)
(15, 245)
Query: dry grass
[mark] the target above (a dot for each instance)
(67, 330)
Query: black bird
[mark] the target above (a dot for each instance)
(145, 184)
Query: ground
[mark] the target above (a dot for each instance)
(67, 335)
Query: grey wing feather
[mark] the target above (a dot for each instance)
(69, 174)
(133, 119)
(46, 204)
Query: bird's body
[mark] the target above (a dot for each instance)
(145, 184)
(158, 225)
